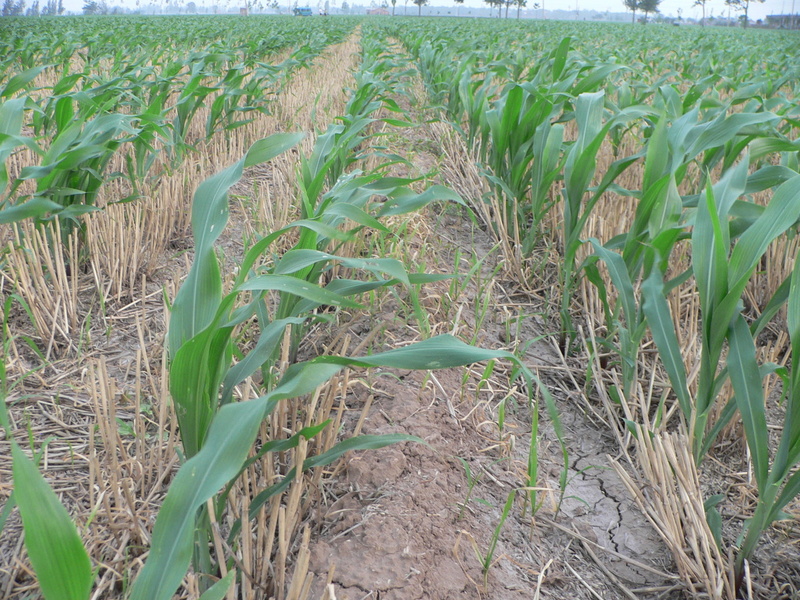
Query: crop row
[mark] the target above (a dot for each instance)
(692, 149)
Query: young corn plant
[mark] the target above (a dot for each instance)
(721, 277)
(51, 538)
(579, 170)
(722, 268)
(217, 431)
(72, 169)
(778, 479)
(522, 154)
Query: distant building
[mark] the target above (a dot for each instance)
(378, 11)
(783, 21)
(244, 11)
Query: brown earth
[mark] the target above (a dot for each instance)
(399, 529)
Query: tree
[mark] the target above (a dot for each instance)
(492, 4)
(648, 6)
(394, 2)
(93, 7)
(520, 4)
(633, 6)
(33, 11)
(420, 4)
(742, 6)
(458, 7)
(702, 5)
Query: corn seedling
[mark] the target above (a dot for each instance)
(472, 480)
(487, 559)
(778, 479)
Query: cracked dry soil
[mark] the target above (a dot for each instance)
(398, 530)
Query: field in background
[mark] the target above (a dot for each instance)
(199, 215)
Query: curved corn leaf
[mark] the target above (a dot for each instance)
(749, 394)
(54, 546)
(297, 287)
(659, 319)
(219, 590)
(198, 299)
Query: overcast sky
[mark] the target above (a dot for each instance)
(668, 7)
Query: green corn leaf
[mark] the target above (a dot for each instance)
(321, 229)
(709, 257)
(716, 428)
(352, 287)
(656, 161)
(718, 132)
(54, 546)
(64, 113)
(560, 58)
(667, 210)
(19, 81)
(713, 517)
(355, 214)
(268, 148)
(768, 177)
(297, 287)
(789, 492)
(219, 590)
(730, 187)
(296, 260)
(781, 213)
(8, 508)
(746, 380)
(438, 352)
(404, 200)
(768, 145)
(620, 279)
(12, 113)
(271, 446)
(595, 79)
(198, 299)
(196, 373)
(788, 453)
(659, 319)
(36, 207)
(779, 298)
(268, 341)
